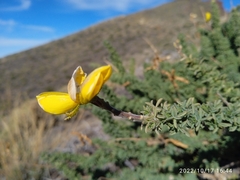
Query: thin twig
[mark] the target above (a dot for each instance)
(223, 99)
(156, 141)
(154, 49)
(231, 164)
(97, 101)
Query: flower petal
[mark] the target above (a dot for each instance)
(93, 83)
(77, 79)
(90, 89)
(106, 72)
(208, 16)
(55, 102)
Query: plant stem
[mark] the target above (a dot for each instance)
(97, 101)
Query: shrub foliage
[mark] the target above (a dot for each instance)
(191, 113)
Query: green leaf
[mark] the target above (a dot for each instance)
(233, 128)
(225, 124)
(175, 123)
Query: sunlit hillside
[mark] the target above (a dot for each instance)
(172, 68)
(49, 67)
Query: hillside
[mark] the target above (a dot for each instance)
(49, 67)
(186, 111)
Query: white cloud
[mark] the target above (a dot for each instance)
(15, 29)
(23, 5)
(122, 5)
(7, 25)
(20, 42)
(7, 22)
(38, 28)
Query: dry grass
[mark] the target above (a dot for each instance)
(26, 131)
(22, 140)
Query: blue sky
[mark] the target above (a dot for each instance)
(29, 23)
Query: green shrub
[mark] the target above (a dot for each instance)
(191, 118)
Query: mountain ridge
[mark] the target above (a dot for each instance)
(49, 67)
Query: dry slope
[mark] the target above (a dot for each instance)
(49, 67)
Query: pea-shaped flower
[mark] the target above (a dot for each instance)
(208, 16)
(81, 90)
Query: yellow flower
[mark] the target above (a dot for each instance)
(208, 16)
(55, 102)
(81, 90)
